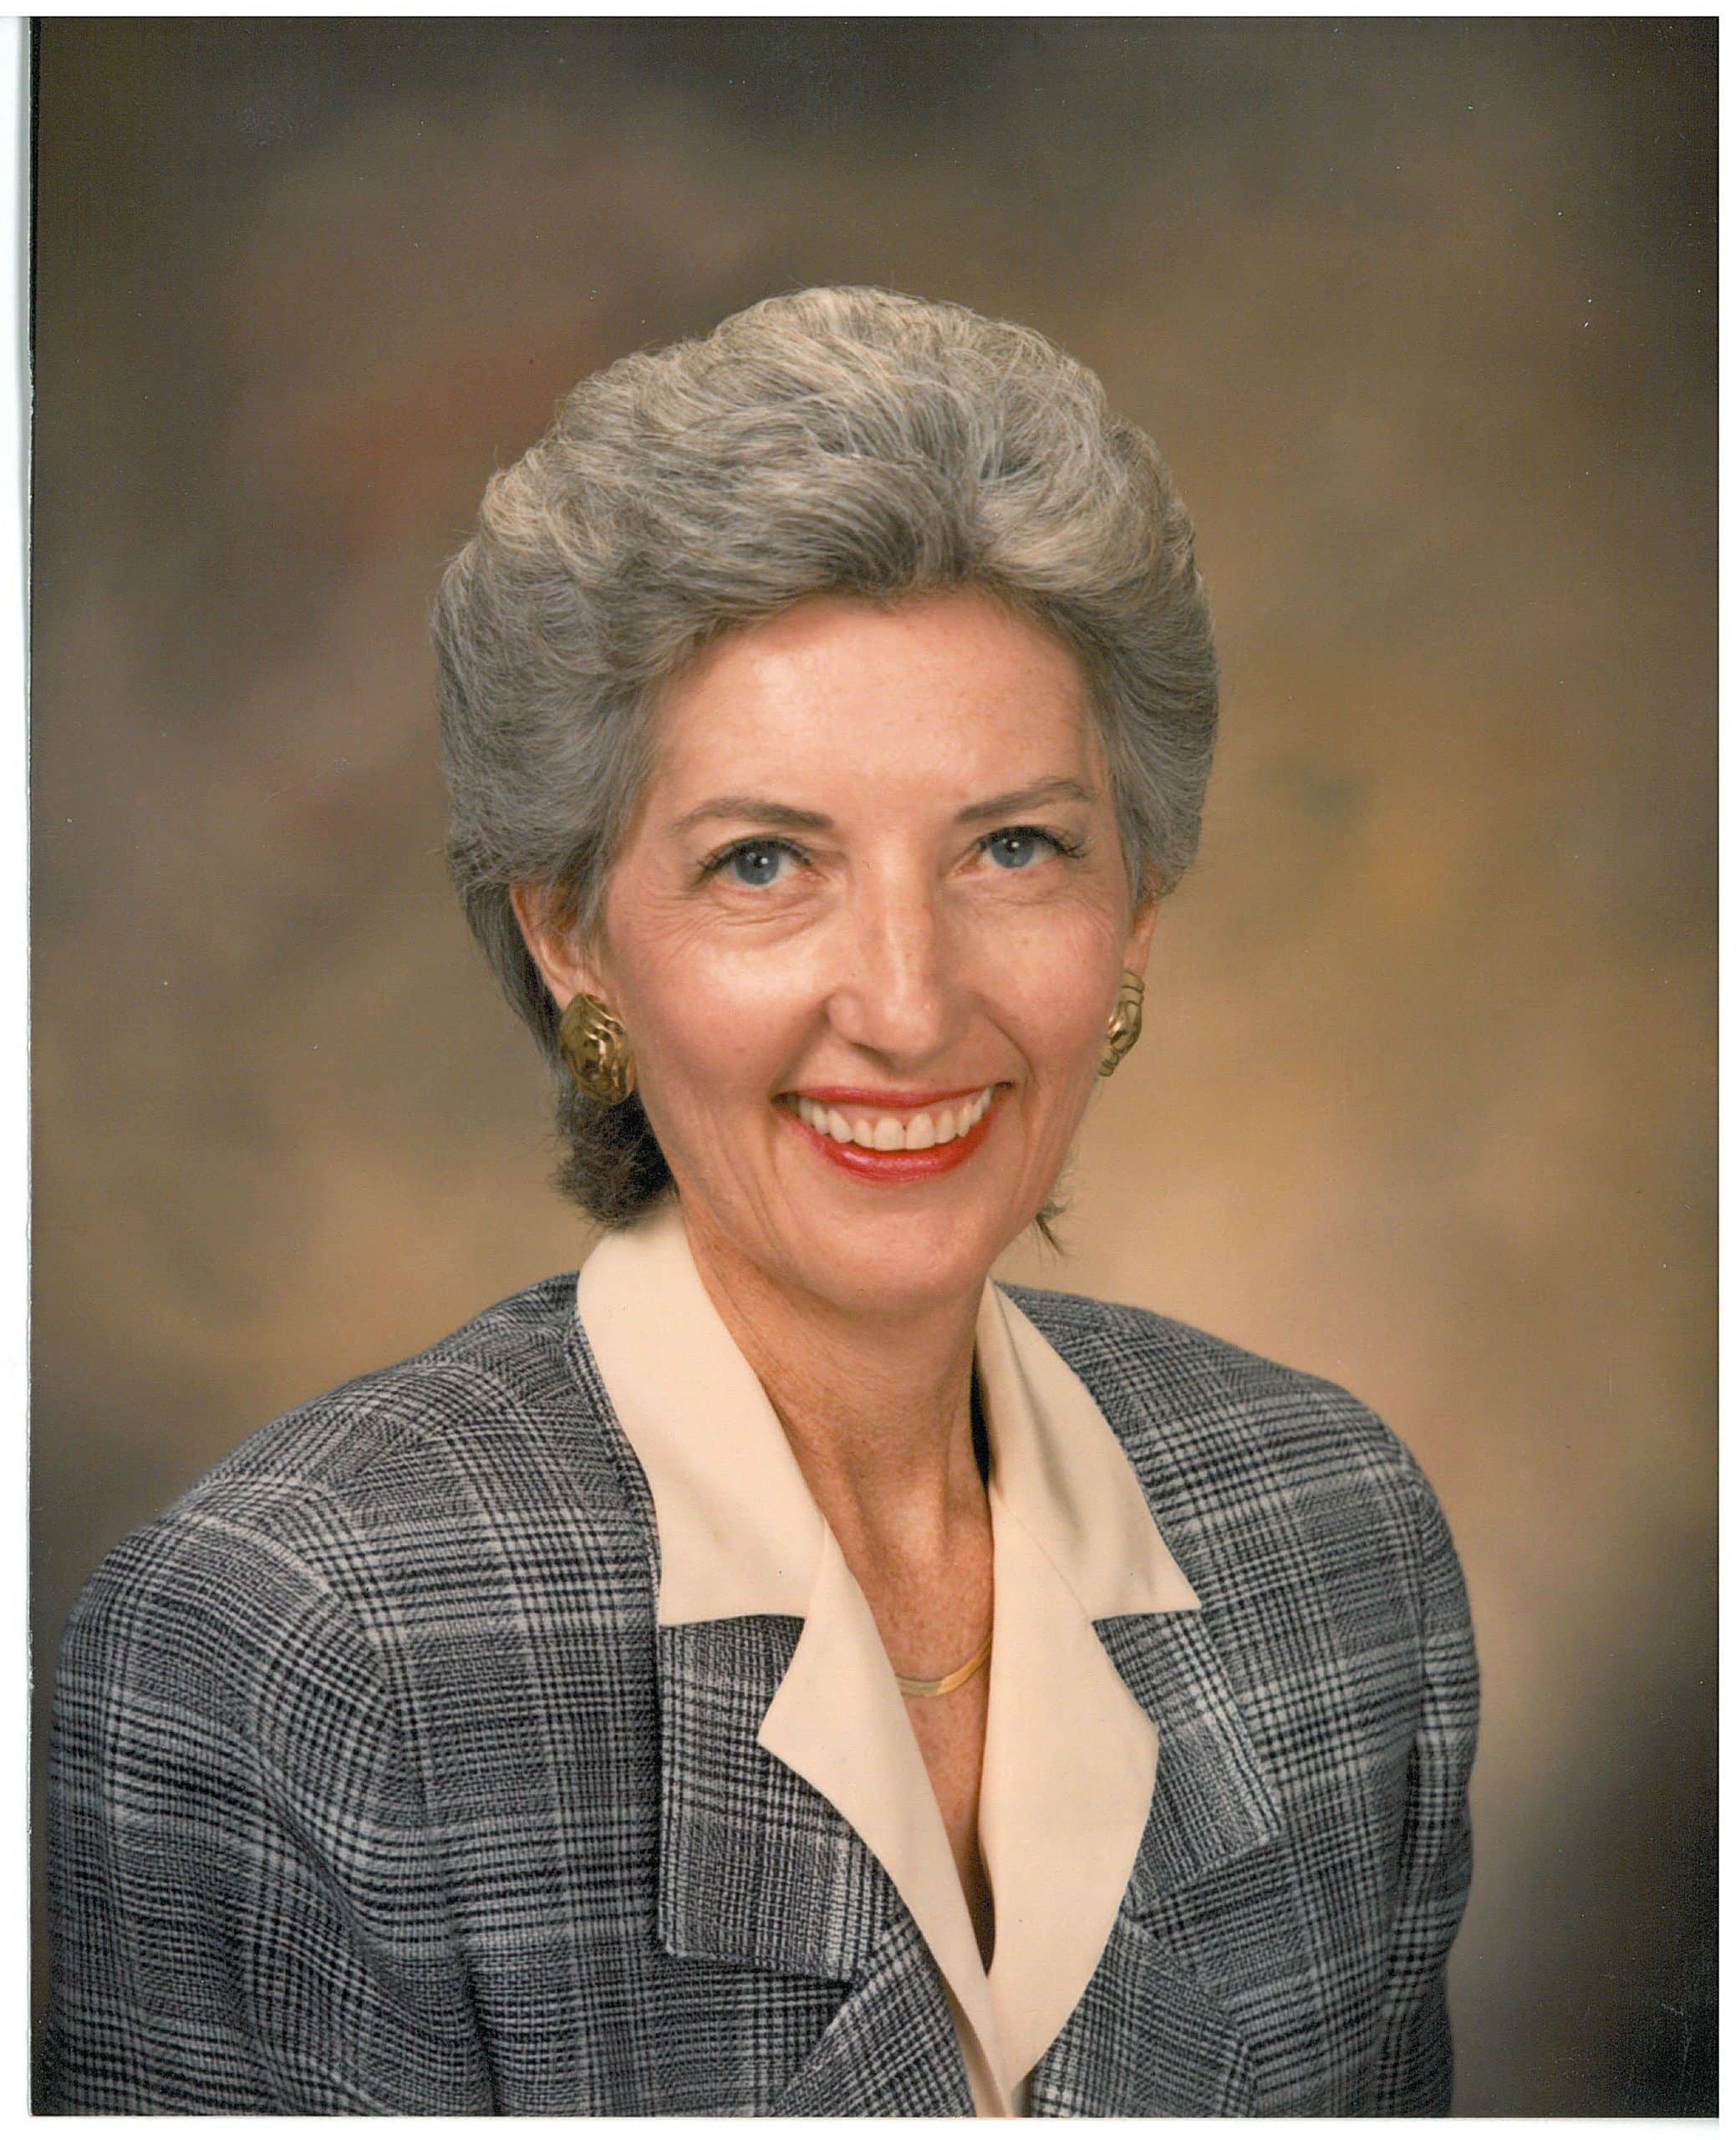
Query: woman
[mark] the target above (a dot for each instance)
(792, 1674)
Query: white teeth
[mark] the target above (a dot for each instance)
(889, 1132)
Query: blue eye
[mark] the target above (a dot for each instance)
(1018, 847)
(754, 862)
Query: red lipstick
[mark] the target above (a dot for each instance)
(894, 1169)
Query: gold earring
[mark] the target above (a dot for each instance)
(595, 1048)
(1123, 1026)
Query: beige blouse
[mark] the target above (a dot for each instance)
(1070, 1757)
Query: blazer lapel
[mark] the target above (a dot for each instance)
(1145, 2040)
(1213, 1802)
(757, 1868)
(891, 2049)
(754, 1865)
(1149, 2038)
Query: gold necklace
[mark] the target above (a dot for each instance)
(922, 1690)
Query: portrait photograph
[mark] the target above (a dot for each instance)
(873, 1066)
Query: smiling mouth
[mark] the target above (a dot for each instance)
(873, 1129)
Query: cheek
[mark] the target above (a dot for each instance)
(708, 1021)
(1057, 987)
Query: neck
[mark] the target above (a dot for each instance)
(876, 1407)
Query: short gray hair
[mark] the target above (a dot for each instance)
(833, 441)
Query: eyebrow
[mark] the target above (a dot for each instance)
(758, 809)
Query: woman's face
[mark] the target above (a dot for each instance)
(864, 936)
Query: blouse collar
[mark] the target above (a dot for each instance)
(1070, 1757)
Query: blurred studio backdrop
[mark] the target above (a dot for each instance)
(1422, 313)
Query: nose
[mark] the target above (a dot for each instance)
(897, 988)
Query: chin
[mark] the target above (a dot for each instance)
(901, 1263)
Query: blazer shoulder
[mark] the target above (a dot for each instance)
(1213, 1425)
(501, 1360)
(466, 1451)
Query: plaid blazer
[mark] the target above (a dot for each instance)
(376, 1787)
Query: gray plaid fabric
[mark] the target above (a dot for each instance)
(377, 1789)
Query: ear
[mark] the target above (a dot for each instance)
(566, 967)
(1138, 947)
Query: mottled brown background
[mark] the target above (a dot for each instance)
(1423, 314)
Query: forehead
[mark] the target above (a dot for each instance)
(953, 686)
